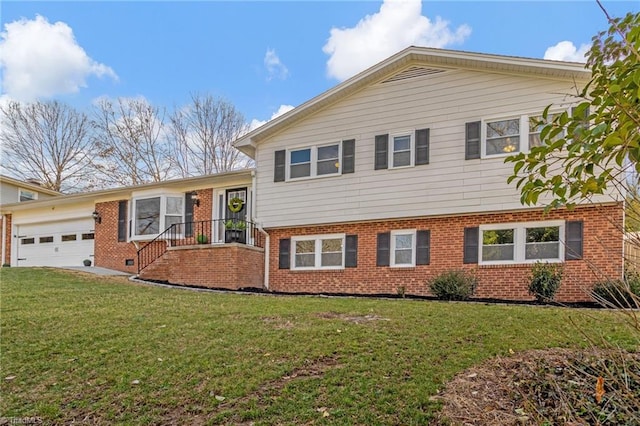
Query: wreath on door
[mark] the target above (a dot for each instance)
(235, 204)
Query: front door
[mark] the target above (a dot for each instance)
(235, 216)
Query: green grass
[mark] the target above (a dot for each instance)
(74, 344)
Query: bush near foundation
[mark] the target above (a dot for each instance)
(453, 285)
(545, 281)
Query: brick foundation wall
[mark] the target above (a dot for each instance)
(228, 266)
(602, 257)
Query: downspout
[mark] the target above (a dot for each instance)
(4, 239)
(265, 284)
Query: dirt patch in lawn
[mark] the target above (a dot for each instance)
(263, 397)
(553, 386)
(357, 319)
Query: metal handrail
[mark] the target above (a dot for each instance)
(217, 231)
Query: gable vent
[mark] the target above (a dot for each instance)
(412, 73)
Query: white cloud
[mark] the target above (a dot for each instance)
(41, 60)
(567, 51)
(398, 24)
(275, 68)
(282, 110)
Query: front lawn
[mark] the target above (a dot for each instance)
(103, 350)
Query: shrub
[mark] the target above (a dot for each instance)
(545, 281)
(453, 285)
(202, 239)
(618, 293)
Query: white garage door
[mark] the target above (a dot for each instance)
(63, 243)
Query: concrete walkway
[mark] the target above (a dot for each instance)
(97, 270)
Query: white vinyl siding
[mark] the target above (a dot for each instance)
(442, 102)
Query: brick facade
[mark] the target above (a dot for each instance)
(108, 251)
(602, 257)
(229, 266)
(111, 253)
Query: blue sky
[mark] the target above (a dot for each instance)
(261, 55)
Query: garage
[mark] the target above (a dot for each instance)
(60, 243)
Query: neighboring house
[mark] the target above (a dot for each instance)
(113, 229)
(397, 175)
(16, 191)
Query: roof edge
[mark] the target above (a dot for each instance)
(248, 142)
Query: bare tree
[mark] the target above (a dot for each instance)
(49, 141)
(203, 133)
(132, 140)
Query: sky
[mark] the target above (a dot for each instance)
(264, 57)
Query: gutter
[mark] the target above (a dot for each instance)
(267, 239)
(4, 239)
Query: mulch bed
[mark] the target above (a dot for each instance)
(546, 387)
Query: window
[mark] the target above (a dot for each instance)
(174, 211)
(497, 245)
(300, 163)
(27, 241)
(89, 236)
(502, 137)
(70, 237)
(403, 248)
(542, 243)
(46, 239)
(536, 124)
(155, 214)
(314, 161)
(25, 195)
(318, 252)
(401, 151)
(521, 242)
(148, 216)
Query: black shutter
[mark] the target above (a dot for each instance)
(382, 152)
(472, 141)
(573, 240)
(471, 245)
(423, 247)
(279, 166)
(351, 251)
(383, 251)
(188, 214)
(422, 146)
(348, 156)
(284, 257)
(122, 221)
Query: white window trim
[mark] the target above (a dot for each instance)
(519, 241)
(412, 149)
(163, 213)
(392, 250)
(318, 251)
(21, 190)
(524, 135)
(313, 170)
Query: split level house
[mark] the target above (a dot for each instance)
(373, 187)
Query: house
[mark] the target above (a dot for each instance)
(373, 187)
(16, 191)
(186, 231)
(397, 175)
